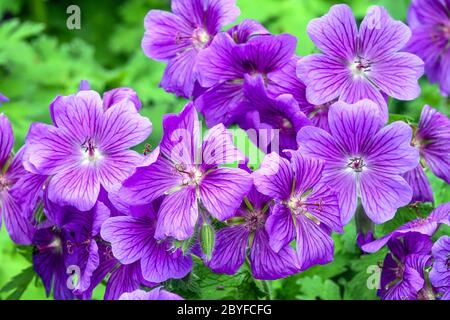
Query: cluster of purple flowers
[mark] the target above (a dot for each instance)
(412, 253)
(92, 208)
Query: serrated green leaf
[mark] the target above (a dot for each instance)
(316, 288)
(18, 284)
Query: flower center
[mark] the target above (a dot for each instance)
(359, 67)
(356, 164)
(4, 183)
(200, 38)
(284, 124)
(300, 206)
(254, 220)
(55, 246)
(398, 273)
(192, 176)
(90, 151)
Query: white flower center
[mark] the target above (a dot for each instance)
(192, 176)
(299, 206)
(359, 67)
(356, 164)
(200, 38)
(4, 183)
(90, 152)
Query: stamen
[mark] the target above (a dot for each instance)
(360, 66)
(356, 164)
(90, 151)
(254, 220)
(54, 245)
(190, 176)
(69, 246)
(147, 149)
(4, 183)
(284, 124)
(300, 206)
(200, 38)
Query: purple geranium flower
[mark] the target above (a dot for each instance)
(154, 294)
(247, 230)
(80, 231)
(363, 159)
(429, 21)
(440, 274)
(226, 65)
(87, 147)
(67, 243)
(132, 240)
(355, 65)
(187, 172)
(427, 226)
(402, 276)
(303, 209)
(15, 205)
(123, 277)
(49, 262)
(178, 37)
(275, 121)
(432, 139)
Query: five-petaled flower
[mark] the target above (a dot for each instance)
(429, 21)
(303, 209)
(187, 173)
(87, 147)
(432, 139)
(359, 64)
(363, 159)
(178, 37)
(247, 230)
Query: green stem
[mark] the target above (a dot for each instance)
(363, 224)
(268, 288)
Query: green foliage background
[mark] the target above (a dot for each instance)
(40, 58)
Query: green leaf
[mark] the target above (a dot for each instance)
(364, 284)
(441, 189)
(400, 117)
(317, 288)
(202, 284)
(19, 284)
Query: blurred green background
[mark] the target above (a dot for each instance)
(40, 58)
